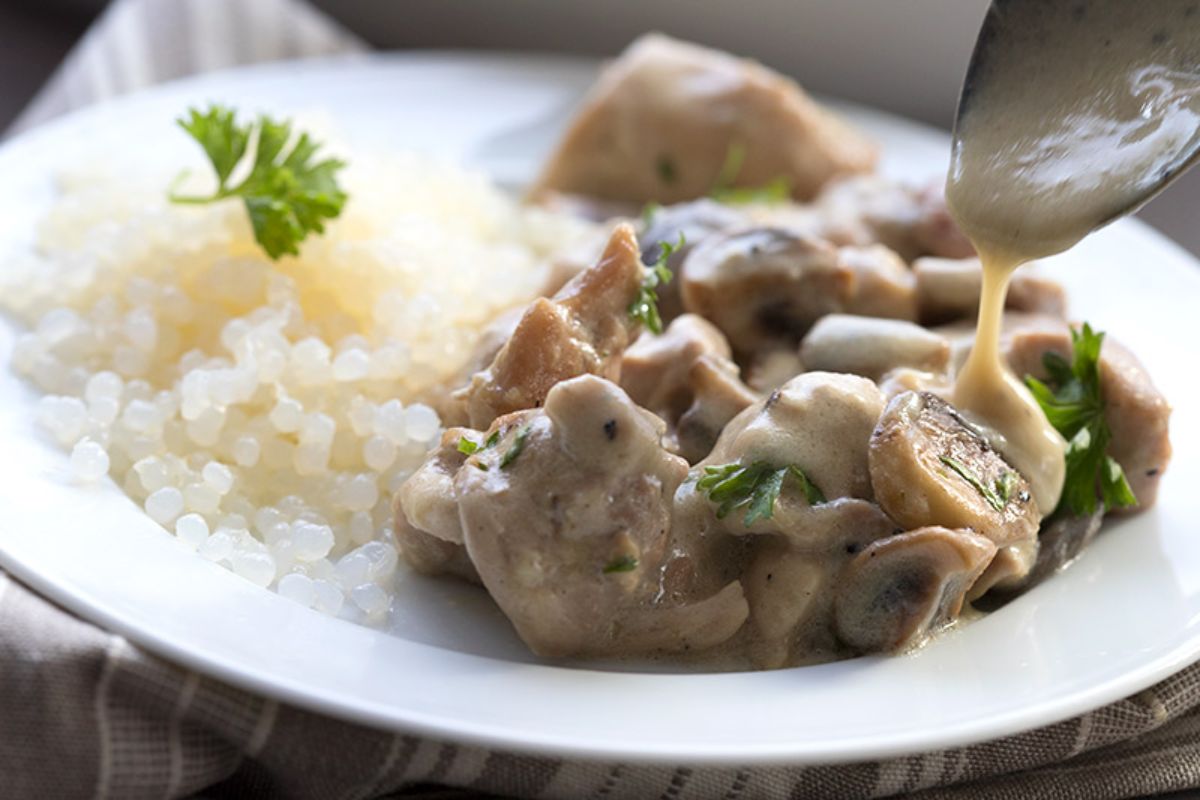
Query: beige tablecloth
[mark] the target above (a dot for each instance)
(83, 713)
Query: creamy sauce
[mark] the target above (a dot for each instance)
(1072, 115)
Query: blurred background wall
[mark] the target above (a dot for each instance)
(905, 56)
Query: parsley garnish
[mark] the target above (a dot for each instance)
(757, 487)
(644, 307)
(723, 191)
(286, 194)
(997, 497)
(621, 564)
(1075, 407)
(470, 447)
(514, 449)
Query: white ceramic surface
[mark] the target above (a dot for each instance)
(1125, 615)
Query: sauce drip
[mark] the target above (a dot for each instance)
(1073, 114)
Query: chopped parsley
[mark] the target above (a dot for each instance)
(998, 495)
(775, 190)
(514, 449)
(644, 307)
(287, 193)
(756, 487)
(621, 564)
(1074, 404)
(470, 447)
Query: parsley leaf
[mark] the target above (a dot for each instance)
(621, 564)
(1075, 407)
(756, 487)
(288, 194)
(644, 307)
(992, 496)
(775, 190)
(514, 449)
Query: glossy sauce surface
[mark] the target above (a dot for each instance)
(1073, 114)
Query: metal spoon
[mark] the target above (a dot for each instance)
(1075, 113)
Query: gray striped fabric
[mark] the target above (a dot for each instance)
(85, 714)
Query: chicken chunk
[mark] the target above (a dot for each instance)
(948, 289)
(871, 347)
(901, 588)
(718, 395)
(1136, 412)
(689, 223)
(868, 209)
(428, 533)
(765, 287)
(655, 370)
(930, 467)
(568, 521)
(661, 120)
(583, 329)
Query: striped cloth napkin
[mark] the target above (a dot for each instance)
(83, 713)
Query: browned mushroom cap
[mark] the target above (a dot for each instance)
(694, 221)
(929, 466)
(764, 287)
(901, 588)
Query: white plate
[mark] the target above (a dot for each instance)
(1126, 615)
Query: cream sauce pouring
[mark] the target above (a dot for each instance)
(1072, 114)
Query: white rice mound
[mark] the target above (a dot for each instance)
(265, 412)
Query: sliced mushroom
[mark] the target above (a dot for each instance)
(1009, 568)
(948, 289)
(583, 329)
(790, 582)
(929, 466)
(900, 589)
(884, 285)
(870, 347)
(764, 287)
(1061, 540)
(661, 120)
(718, 395)
(655, 370)
(691, 223)
(568, 521)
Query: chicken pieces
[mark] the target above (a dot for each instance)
(565, 513)
(583, 329)
(662, 119)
